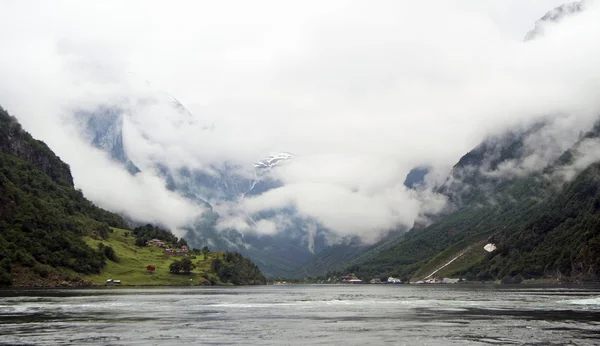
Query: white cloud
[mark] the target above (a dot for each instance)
(360, 91)
(584, 154)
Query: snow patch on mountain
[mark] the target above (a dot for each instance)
(274, 159)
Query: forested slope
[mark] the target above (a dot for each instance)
(50, 234)
(42, 216)
(544, 226)
(562, 240)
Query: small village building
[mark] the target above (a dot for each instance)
(183, 251)
(393, 280)
(156, 242)
(434, 281)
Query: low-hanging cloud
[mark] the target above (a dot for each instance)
(360, 91)
(586, 152)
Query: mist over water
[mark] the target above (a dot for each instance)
(301, 315)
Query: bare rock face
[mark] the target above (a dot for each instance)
(15, 141)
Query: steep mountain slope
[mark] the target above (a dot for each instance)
(564, 240)
(42, 216)
(51, 235)
(103, 129)
(416, 177)
(18, 143)
(542, 227)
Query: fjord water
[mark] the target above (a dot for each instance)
(303, 315)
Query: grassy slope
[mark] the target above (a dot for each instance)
(133, 260)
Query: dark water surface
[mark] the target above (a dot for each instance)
(312, 314)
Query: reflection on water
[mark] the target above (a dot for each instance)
(317, 314)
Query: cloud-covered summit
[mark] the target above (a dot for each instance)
(554, 16)
(361, 92)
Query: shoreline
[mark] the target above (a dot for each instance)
(491, 284)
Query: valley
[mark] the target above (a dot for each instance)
(527, 185)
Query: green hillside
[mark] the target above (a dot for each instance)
(132, 260)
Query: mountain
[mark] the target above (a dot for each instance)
(103, 129)
(494, 193)
(51, 235)
(541, 225)
(347, 253)
(297, 239)
(42, 216)
(416, 177)
(554, 16)
(562, 241)
(485, 177)
(273, 160)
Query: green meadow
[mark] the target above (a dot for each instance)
(132, 261)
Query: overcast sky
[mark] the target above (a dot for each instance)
(361, 91)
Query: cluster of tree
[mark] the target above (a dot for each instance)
(108, 252)
(205, 251)
(238, 270)
(184, 266)
(43, 218)
(147, 232)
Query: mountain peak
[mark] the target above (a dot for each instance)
(554, 16)
(274, 159)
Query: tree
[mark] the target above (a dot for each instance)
(108, 252)
(236, 269)
(187, 266)
(205, 251)
(175, 267)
